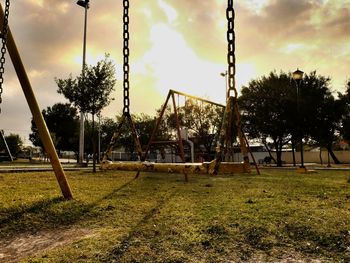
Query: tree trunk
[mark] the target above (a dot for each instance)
(207, 154)
(293, 152)
(329, 161)
(321, 156)
(330, 151)
(278, 147)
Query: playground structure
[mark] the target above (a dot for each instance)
(8, 155)
(9, 42)
(230, 130)
(226, 167)
(182, 134)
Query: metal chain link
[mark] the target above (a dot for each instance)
(126, 57)
(3, 47)
(231, 59)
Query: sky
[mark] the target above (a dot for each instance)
(174, 44)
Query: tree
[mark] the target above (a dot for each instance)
(14, 142)
(144, 125)
(90, 92)
(203, 123)
(107, 128)
(166, 125)
(322, 113)
(266, 109)
(63, 122)
(345, 128)
(272, 109)
(327, 124)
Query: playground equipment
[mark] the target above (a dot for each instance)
(8, 155)
(231, 125)
(126, 118)
(9, 42)
(230, 130)
(180, 136)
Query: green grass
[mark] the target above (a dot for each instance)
(160, 218)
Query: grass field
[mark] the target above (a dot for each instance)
(279, 216)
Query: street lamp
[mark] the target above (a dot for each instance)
(298, 76)
(85, 5)
(224, 74)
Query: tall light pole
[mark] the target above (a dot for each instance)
(298, 76)
(224, 74)
(85, 5)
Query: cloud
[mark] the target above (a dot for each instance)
(202, 23)
(175, 65)
(173, 44)
(170, 12)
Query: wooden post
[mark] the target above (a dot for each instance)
(34, 108)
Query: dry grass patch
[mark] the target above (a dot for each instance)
(279, 216)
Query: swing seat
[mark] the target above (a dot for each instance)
(186, 168)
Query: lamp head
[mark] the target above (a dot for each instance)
(297, 75)
(83, 3)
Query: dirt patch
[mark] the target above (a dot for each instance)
(286, 256)
(13, 249)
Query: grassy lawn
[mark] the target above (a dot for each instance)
(274, 217)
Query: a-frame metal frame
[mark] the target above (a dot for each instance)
(231, 121)
(35, 110)
(171, 95)
(7, 149)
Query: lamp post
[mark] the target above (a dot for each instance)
(224, 74)
(298, 76)
(85, 5)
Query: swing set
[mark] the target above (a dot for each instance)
(230, 130)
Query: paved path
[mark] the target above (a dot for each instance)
(312, 166)
(38, 168)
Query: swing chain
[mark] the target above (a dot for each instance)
(3, 48)
(231, 59)
(126, 56)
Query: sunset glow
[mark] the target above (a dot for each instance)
(177, 45)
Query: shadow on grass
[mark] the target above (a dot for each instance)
(116, 191)
(16, 213)
(117, 252)
(44, 215)
(336, 243)
(50, 214)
